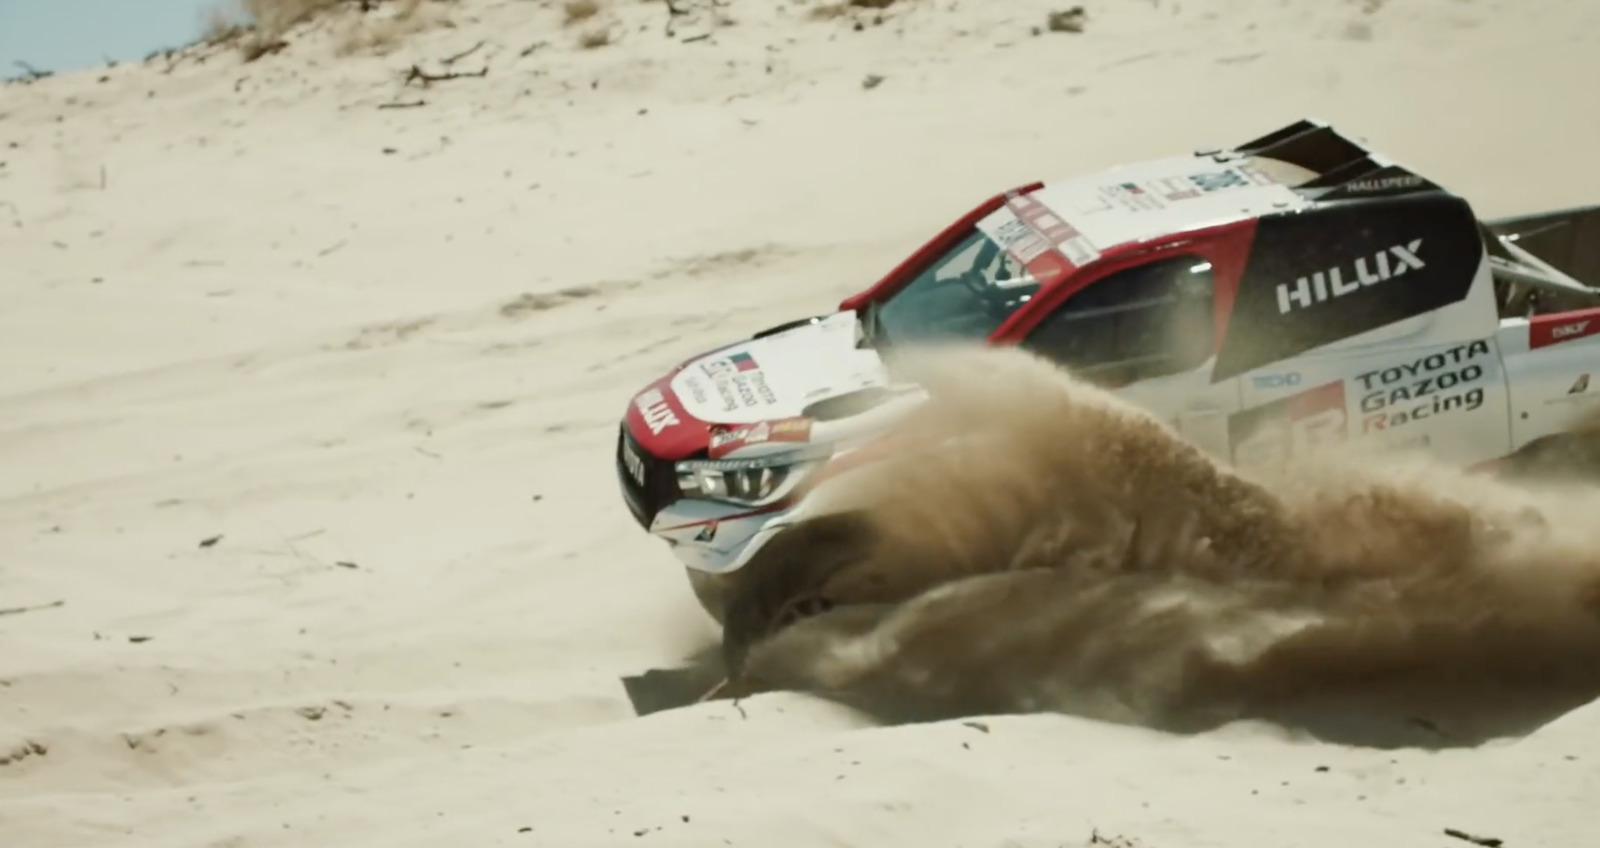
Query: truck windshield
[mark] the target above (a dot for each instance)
(966, 294)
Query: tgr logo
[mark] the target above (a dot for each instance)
(1366, 271)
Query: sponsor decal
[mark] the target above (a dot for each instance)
(1546, 330)
(739, 382)
(752, 390)
(725, 440)
(1067, 240)
(1020, 240)
(1432, 385)
(1272, 433)
(657, 414)
(1577, 393)
(696, 388)
(632, 462)
(1331, 283)
(1176, 188)
(1133, 197)
(1276, 381)
(1387, 180)
(1374, 185)
(1567, 331)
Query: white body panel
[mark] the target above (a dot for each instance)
(785, 372)
(1433, 382)
(1458, 383)
(1550, 387)
(1150, 200)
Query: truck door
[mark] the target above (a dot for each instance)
(1549, 361)
(1148, 332)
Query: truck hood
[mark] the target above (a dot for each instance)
(765, 379)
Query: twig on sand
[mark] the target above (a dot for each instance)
(451, 60)
(715, 692)
(32, 608)
(417, 74)
(730, 690)
(404, 104)
(1485, 841)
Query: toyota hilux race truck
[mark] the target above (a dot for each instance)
(1292, 290)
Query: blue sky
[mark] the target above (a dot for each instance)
(65, 35)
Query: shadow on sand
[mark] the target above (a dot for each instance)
(1426, 713)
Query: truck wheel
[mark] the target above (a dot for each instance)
(1571, 456)
(783, 581)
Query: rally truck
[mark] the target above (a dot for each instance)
(1295, 290)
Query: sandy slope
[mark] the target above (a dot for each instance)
(243, 301)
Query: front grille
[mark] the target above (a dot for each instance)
(659, 487)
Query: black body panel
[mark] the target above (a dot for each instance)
(659, 488)
(1337, 270)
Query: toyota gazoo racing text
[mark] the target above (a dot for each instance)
(1297, 290)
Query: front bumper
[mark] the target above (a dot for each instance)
(649, 484)
(707, 536)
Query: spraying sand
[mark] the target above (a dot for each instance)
(1039, 545)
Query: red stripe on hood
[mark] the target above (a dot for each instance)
(659, 422)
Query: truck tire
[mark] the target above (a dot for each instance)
(1573, 455)
(784, 580)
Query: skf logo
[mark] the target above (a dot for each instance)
(1334, 282)
(1566, 331)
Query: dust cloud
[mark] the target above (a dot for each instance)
(1039, 545)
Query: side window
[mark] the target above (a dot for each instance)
(1141, 322)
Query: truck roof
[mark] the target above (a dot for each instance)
(1291, 169)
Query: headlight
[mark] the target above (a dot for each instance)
(748, 484)
(751, 482)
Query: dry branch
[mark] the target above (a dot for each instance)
(417, 74)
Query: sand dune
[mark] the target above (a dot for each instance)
(245, 304)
